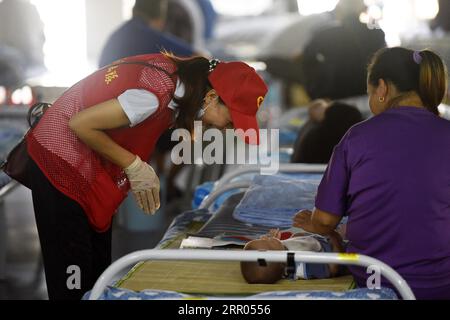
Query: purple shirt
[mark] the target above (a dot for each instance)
(391, 176)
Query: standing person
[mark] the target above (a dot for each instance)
(334, 63)
(391, 175)
(92, 146)
(143, 34)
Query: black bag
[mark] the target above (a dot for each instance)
(17, 161)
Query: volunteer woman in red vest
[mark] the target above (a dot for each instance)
(92, 146)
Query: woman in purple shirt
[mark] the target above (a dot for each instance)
(391, 175)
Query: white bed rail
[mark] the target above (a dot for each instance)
(251, 256)
(284, 168)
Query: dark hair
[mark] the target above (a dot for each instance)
(150, 9)
(193, 73)
(339, 117)
(425, 74)
(268, 273)
(317, 143)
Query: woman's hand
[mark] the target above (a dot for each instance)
(145, 185)
(303, 220)
(319, 221)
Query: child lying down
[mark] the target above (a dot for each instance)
(274, 271)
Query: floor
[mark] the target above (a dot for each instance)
(24, 277)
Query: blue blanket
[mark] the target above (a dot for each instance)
(112, 293)
(272, 201)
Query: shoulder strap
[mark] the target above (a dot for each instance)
(170, 75)
(36, 112)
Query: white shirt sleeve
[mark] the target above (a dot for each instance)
(138, 105)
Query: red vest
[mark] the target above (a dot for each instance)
(71, 166)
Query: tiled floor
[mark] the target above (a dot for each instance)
(24, 276)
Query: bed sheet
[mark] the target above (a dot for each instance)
(113, 293)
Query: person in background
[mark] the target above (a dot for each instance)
(329, 123)
(12, 69)
(143, 34)
(22, 29)
(333, 62)
(192, 21)
(438, 39)
(210, 17)
(390, 174)
(441, 23)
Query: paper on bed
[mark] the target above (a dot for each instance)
(272, 201)
(208, 243)
(224, 240)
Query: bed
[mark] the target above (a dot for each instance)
(170, 273)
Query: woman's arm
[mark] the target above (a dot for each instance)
(321, 222)
(89, 126)
(318, 221)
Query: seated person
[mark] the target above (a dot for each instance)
(328, 124)
(272, 272)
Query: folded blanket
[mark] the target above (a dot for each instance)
(272, 201)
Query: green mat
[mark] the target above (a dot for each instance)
(213, 277)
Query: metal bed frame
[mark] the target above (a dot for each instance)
(251, 256)
(222, 186)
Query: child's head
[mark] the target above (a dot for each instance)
(396, 73)
(269, 273)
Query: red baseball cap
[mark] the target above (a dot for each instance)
(243, 91)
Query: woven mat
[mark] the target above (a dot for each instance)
(215, 278)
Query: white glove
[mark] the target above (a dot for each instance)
(145, 185)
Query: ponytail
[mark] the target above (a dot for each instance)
(421, 72)
(193, 73)
(432, 80)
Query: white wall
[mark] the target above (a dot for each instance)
(102, 18)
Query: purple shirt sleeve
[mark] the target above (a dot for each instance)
(332, 192)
